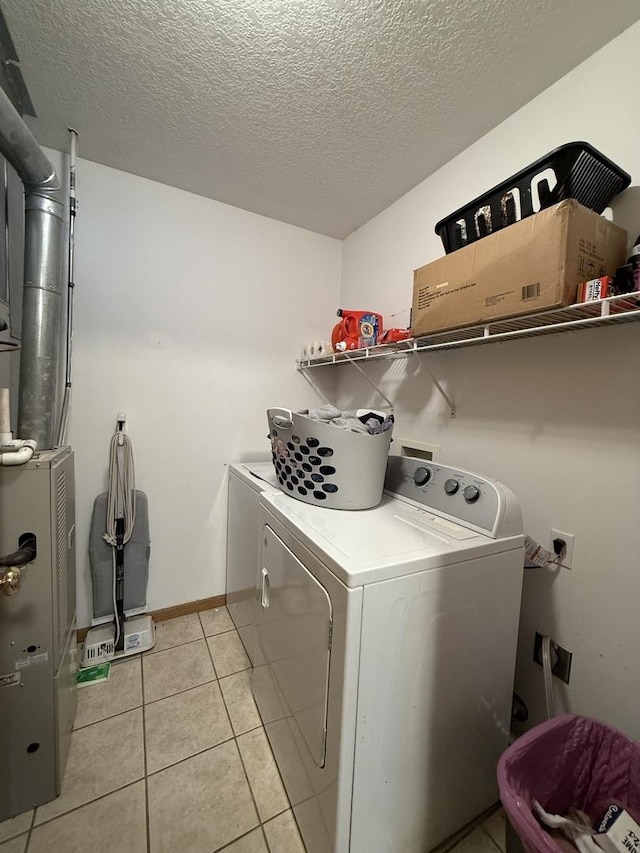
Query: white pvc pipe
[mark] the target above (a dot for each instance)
(5, 417)
(21, 452)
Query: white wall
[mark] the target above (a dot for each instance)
(189, 315)
(555, 418)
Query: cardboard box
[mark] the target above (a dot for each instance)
(533, 265)
(617, 831)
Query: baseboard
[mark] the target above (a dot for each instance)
(175, 611)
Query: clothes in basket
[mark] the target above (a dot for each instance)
(336, 461)
(361, 420)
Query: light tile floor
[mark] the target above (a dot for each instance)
(488, 837)
(170, 756)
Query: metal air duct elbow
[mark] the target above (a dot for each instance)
(43, 268)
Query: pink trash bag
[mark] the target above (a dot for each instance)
(569, 761)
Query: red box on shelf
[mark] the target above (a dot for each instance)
(596, 288)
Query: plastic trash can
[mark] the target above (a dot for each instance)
(569, 761)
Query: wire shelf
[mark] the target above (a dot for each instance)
(587, 315)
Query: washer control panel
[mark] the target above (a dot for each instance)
(451, 486)
(421, 476)
(460, 495)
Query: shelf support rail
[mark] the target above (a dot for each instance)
(319, 391)
(370, 381)
(447, 398)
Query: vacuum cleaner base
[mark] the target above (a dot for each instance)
(99, 645)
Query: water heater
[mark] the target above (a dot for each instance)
(38, 658)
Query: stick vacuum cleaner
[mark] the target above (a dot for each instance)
(119, 549)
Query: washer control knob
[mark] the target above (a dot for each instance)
(451, 487)
(421, 476)
(471, 494)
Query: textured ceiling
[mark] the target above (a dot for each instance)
(315, 112)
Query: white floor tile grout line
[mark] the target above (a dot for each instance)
(246, 775)
(235, 740)
(450, 846)
(137, 660)
(153, 654)
(180, 692)
(109, 717)
(170, 696)
(81, 806)
(107, 793)
(224, 631)
(479, 824)
(239, 838)
(18, 834)
(216, 677)
(491, 838)
(498, 811)
(161, 699)
(146, 776)
(204, 636)
(189, 757)
(33, 820)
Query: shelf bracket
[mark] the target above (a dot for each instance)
(447, 398)
(319, 392)
(370, 381)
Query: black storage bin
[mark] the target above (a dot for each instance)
(579, 171)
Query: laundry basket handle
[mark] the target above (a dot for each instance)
(282, 418)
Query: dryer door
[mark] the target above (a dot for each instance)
(294, 644)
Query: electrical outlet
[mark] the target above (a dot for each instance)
(569, 540)
(562, 667)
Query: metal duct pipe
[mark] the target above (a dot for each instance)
(42, 297)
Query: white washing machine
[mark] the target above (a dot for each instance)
(247, 481)
(386, 645)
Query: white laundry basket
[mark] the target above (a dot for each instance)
(322, 464)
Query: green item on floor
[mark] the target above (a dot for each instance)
(93, 674)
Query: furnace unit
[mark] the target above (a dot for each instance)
(38, 659)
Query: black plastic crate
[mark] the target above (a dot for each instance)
(575, 170)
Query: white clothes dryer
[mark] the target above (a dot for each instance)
(246, 482)
(385, 655)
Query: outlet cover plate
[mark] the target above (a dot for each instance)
(569, 538)
(562, 669)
